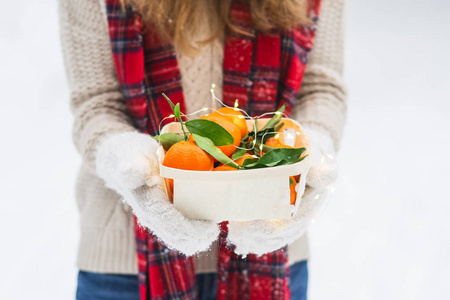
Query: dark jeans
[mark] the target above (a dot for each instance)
(97, 286)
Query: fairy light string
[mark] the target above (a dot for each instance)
(214, 100)
(298, 135)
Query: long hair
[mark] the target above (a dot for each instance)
(180, 20)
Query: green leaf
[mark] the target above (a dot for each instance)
(267, 135)
(239, 152)
(172, 106)
(168, 139)
(250, 161)
(278, 154)
(175, 108)
(278, 127)
(277, 157)
(177, 113)
(275, 119)
(300, 159)
(254, 165)
(208, 145)
(265, 148)
(284, 162)
(291, 182)
(211, 130)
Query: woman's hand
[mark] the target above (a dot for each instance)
(263, 236)
(128, 164)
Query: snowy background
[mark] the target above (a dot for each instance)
(384, 234)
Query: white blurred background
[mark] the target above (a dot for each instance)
(384, 234)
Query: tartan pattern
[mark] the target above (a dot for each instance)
(162, 75)
(252, 277)
(163, 273)
(269, 67)
(128, 54)
(253, 76)
(262, 71)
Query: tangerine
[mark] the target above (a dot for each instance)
(276, 143)
(186, 155)
(224, 168)
(229, 126)
(292, 186)
(235, 116)
(241, 159)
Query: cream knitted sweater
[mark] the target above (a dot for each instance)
(107, 243)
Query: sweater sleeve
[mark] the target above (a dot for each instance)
(321, 104)
(97, 104)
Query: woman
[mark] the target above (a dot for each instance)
(119, 58)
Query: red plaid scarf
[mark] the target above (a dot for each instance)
(266, 74)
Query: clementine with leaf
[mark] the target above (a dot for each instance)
(235, 116)
(229, 126)
(186, 155)
(240, 160)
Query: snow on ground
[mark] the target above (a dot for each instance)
(384, 233)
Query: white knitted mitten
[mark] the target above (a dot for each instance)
(263, 236)
(127, 163)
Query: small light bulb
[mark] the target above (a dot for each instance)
(205, 109)
(236, 103)
(213, 85)
(277, 136)
(171, 116)
(211, 90)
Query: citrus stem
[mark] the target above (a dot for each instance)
(186, 137)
